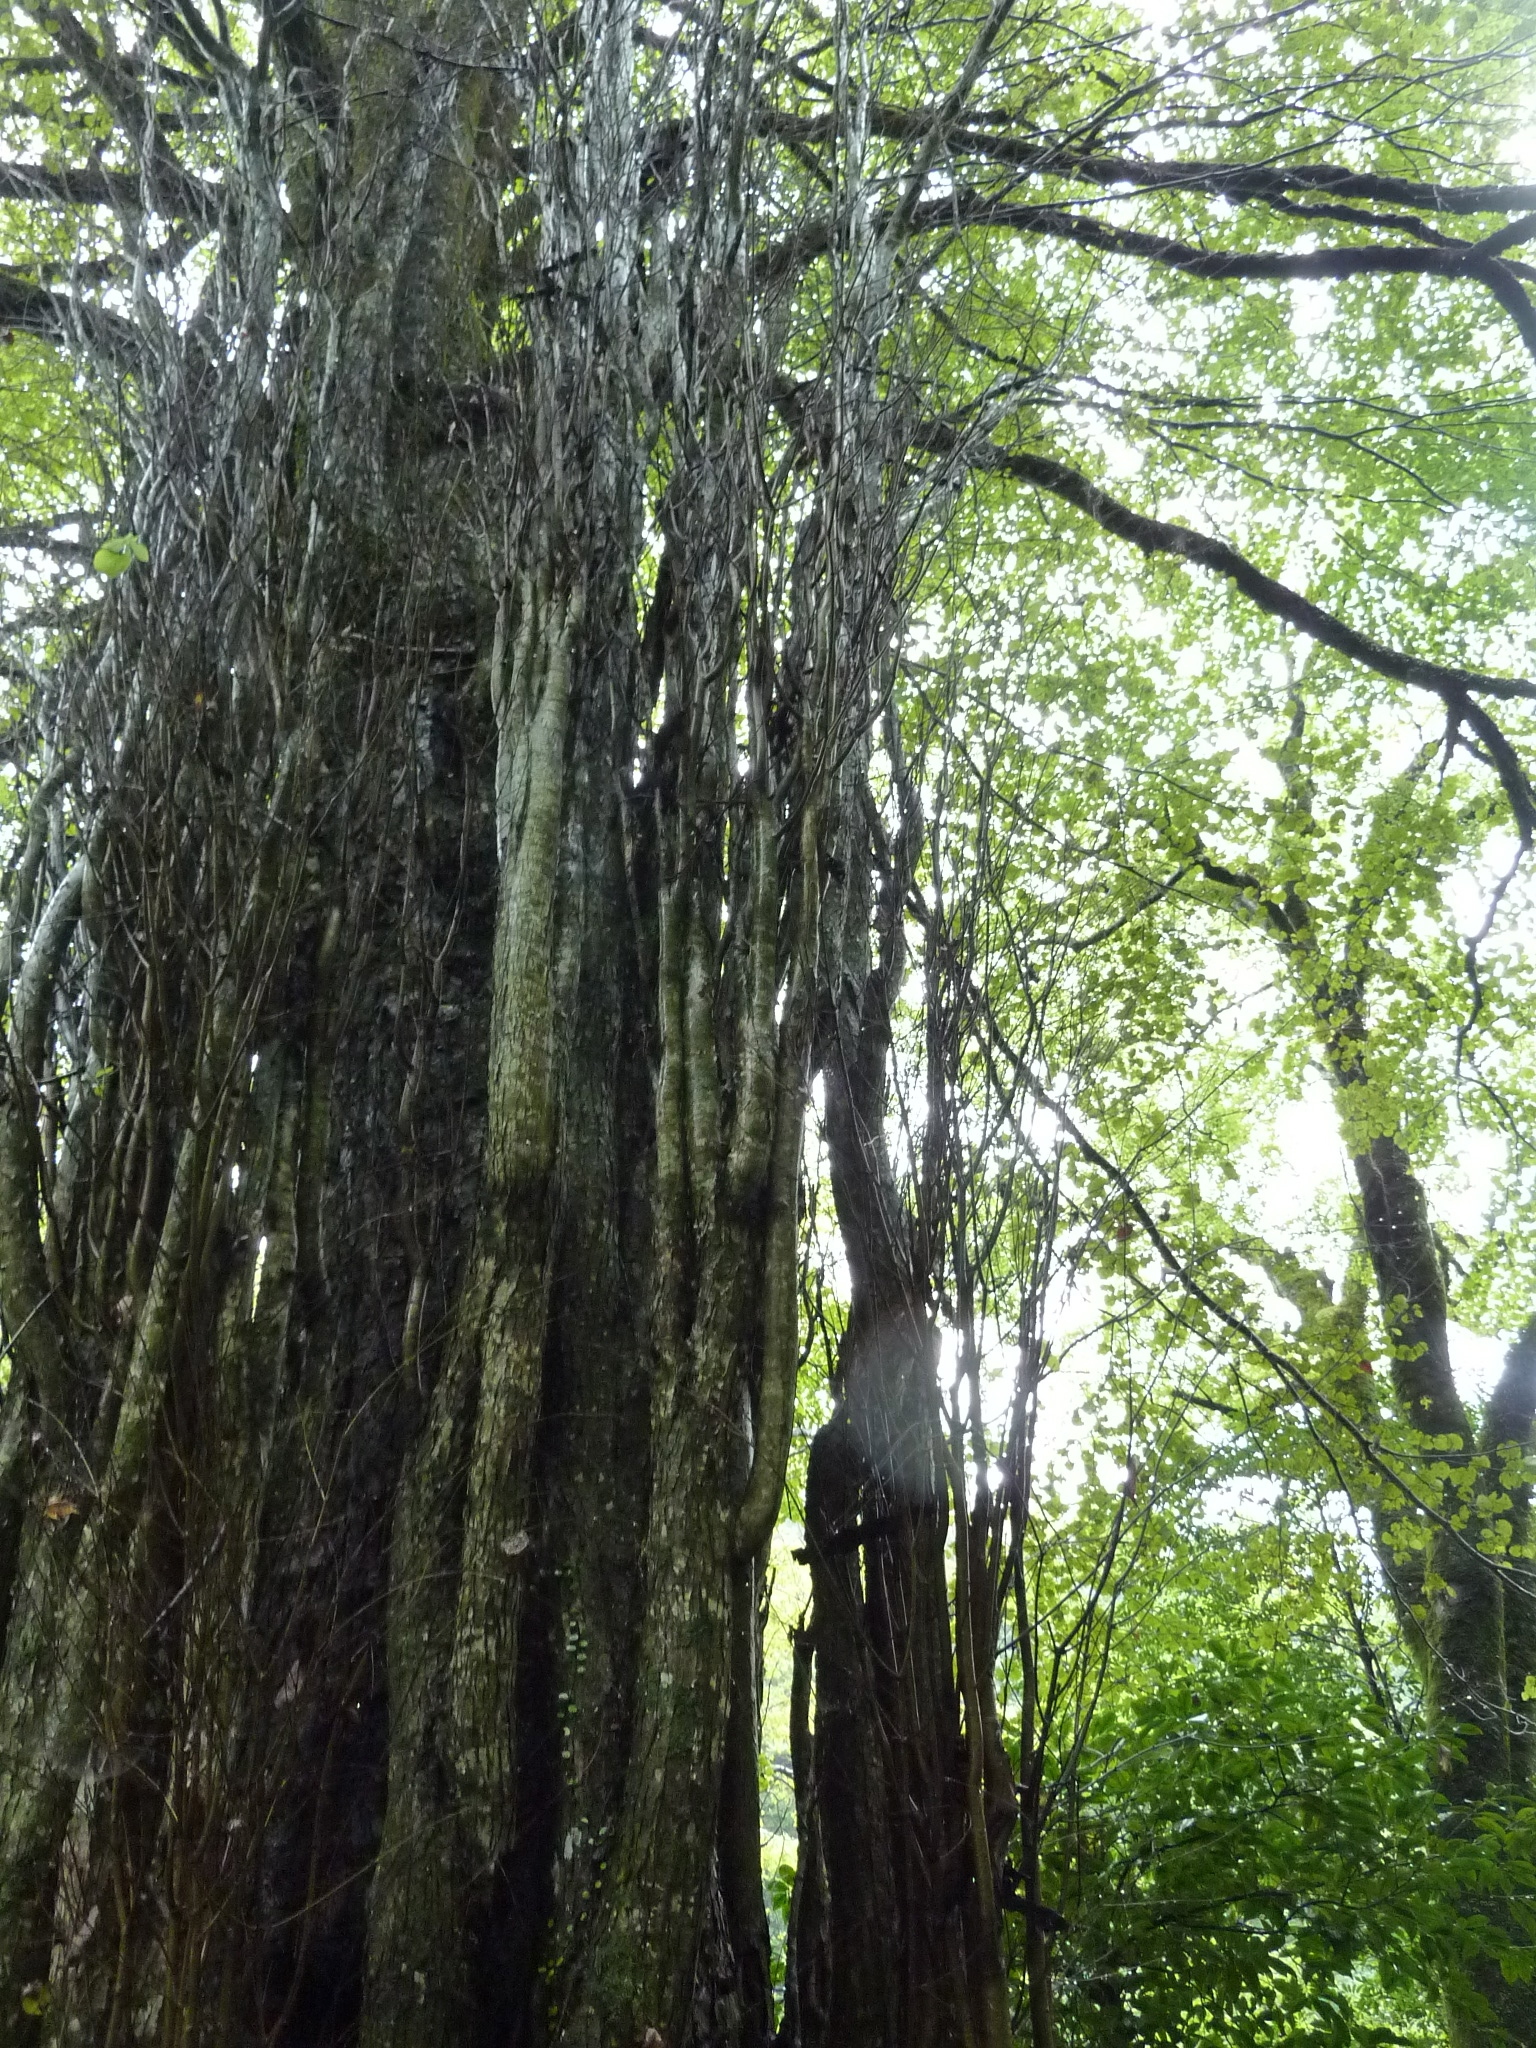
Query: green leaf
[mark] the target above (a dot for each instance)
(118, 554)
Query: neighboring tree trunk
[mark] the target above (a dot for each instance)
(911, 1789)
(1454, 1558)
(1479, 1615)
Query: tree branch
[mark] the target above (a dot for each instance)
(55, 316)
(42, 536)
(1457, 688)
(170, 186)
(95, 185)
(1216, 180)
(1470, 260)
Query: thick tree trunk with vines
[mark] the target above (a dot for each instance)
(402, 1287)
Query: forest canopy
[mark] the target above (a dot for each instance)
(768, 1119)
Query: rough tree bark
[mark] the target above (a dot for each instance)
(447, 854)
(447, 1044)
(909, 1788)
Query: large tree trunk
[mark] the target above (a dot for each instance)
(439, 1050)
(449, 848)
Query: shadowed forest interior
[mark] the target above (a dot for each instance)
(768, 1105)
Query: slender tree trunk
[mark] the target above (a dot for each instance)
(906, 1763)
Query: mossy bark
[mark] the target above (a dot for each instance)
(405, 1322)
